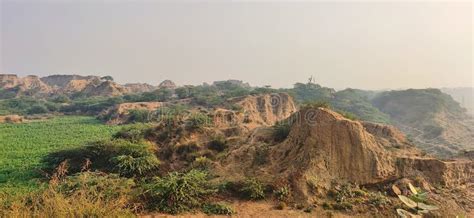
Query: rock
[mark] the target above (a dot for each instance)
(396, 191)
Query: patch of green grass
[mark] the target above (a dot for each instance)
(22, 146)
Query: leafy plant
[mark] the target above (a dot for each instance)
(281, 130)
(282, 193)
(179, 192)
(202, 163)
(130, 166)
(253, 189)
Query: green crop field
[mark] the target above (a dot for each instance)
(22, 146)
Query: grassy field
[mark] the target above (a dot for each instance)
(22, 146)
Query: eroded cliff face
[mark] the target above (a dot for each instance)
(61, 81)
(8, 81)
(323, 144)
(267, 109)
(323, 147)
(33, 83)
(65, 84)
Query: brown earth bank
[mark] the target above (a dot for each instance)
(323, 152)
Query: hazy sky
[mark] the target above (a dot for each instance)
(362, 45)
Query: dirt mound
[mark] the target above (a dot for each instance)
(33, 83)
(119, 114)
(323, 147)
(266, 109)
(106, 88)
(62, 81)
(139, 87)
(11, 119)
(8, 81)
(323, 144)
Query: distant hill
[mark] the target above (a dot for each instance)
(463, 95)
(431, 118)
(74, 85)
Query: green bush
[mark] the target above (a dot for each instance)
(131, 166)
(262, 154)
(118, 155)
(179, 192)
(282, 193)
(38, 109)
(134, 133)
(199, 120)
(140, 116)
(218, 209)
(281, 130)
(202, 163)
(253, 189)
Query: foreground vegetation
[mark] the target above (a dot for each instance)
(24, 145)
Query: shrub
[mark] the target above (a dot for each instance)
(218, 144)
(199, 120)
(129, 166)
(282, 193)
(179, 192)
(281, 205)
(317, 104)
(281, 130)
(38, 109)
(262, 153)
(140, 116)
(118, 155)
(348, 115)
(202, 163)
(342, 206)
(218, 208)
(377, 199)
(134, 133)
(253, 189)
